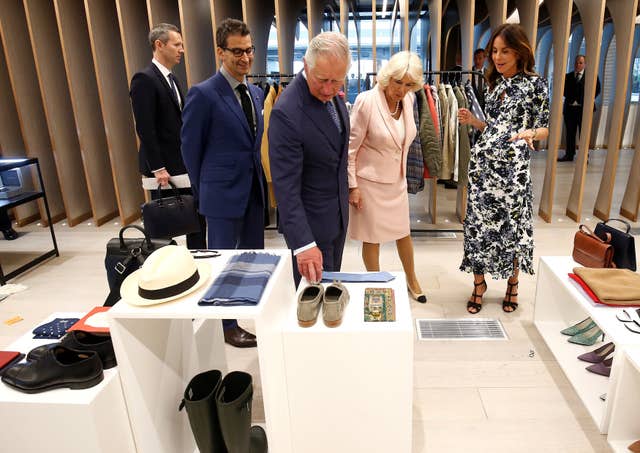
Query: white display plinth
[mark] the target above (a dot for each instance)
(161, 347)
(560, 303)
(624, 428)
(350, 387)
(92, 420)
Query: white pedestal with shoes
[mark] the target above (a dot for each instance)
(624, 428)
(92, 420)
(559, 303)
(350, 387)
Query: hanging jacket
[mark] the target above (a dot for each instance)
(431, 153)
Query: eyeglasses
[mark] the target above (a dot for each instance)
(237, 52)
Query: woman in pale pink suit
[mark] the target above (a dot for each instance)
(382, 128)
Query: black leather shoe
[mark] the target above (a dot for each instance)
(58, 367)
(10, 234)
(239, 338)
(79, 340)
(565, 158)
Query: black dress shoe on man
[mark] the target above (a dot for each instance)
(80, 340)
(240, 338)
(58, 367)
(565, 158)
(10, 234)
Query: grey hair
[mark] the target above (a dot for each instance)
(328, 43)
(161, 32)
(401, 64)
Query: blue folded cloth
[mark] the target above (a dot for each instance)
(360, 277)
(55, 329)
(242, 281)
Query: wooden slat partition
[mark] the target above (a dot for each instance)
(47, 53)
(108, 61)
(435, 30)
(166, 11)
(287, 12)
(497, 12)
(83, 90)
(134, 33)
(11, 143)
(560, 12)
(258, 15)
(592, 14)
(315, 8)
(197, 34)
(623, 16)
(26, 92)
(528, 12)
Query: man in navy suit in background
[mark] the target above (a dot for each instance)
(221, 138)
(157, 101)
(572, 107)
(308, 147)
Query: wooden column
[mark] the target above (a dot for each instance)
(221, 10)
(528, 12)
(83, 91)
(497, 12)
(26, 93)
(11, 143)
(466, 11)
(623, 15)
(258, 15)
(435, 19)
(197, 34)
(166, 11)
(560, 13)
(592, 14)
(286, 17)
(47, 55)
(315, 11)
(344, 18)
(108, 63)
(374, 52)
(134, 34)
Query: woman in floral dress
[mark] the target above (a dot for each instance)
(498, 227)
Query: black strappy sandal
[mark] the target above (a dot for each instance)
(471, 304)
(506, 303)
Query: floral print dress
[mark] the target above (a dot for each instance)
(498, 227)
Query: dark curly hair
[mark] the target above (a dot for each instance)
(230, 27)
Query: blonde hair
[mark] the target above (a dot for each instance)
(401, 64)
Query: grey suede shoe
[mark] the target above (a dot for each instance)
(309, 304)
(336, 298)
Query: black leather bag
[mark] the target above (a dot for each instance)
(172, 216)
(624, 255)
(125, 255)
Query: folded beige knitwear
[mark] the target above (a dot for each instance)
(612, 286)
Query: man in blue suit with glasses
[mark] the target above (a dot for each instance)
(221, 137)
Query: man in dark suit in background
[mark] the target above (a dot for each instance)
(308, 147)
(157, 102)
(572, 108)
(478, 81)
(221, 138)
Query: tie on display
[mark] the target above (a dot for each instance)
(334, 115)
(245, 100)
(359, 277)
(173, 83)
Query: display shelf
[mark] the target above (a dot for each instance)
(343, 367)
(98, 414)
(160, 348)
(560, 303)
(624, 429)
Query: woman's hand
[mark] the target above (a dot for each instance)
(466, 117)
(528, 135)
(355, 198)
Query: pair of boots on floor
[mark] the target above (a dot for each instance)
(219, 413)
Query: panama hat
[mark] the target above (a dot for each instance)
(167, 274)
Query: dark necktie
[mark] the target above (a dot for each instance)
(173, 83)
(334, 115)
(245, 100)
(578, 77)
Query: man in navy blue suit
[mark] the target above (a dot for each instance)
(308, 147)
(221, 136)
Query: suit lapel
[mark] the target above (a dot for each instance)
(165, 84)
(318, 115)
(229, 97)
(386, 118)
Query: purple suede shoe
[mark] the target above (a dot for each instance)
(603, 368)
(598, 355)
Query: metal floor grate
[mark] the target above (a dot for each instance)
(460, 329)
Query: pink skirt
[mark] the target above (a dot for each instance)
(384, 215)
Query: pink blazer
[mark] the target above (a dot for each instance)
(374, 145)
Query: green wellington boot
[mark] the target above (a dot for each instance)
(233, 399)
(200, 402)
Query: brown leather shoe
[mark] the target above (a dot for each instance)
(239, 338)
